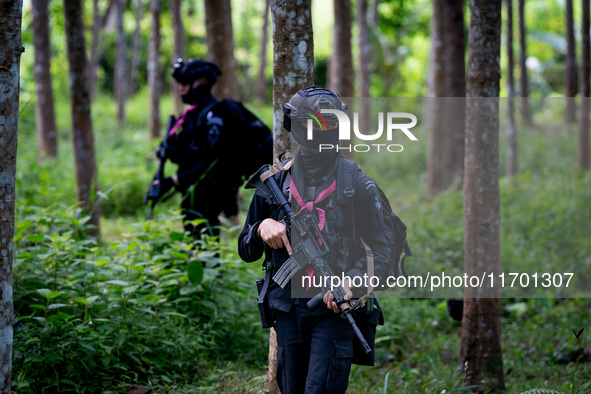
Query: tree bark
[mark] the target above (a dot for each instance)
(583, 146)
(97, 25)
(261, 86)
(10, 54)
(481, 325)
(293, 69)
(523, 79)
(179, 49)
(364, 60)
(571, 66)
(154, 78)
(220, 46)
(44, 109)
(135, 51)
(455, 86)
(437, 178)
(341, 62)
(120, 69)
(83, 139)
(510, 132)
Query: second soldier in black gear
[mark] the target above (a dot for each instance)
(201, 144)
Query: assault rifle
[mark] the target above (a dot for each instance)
(311, 249)
(153, 193)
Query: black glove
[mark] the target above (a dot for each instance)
(165, 151)
(165, 186)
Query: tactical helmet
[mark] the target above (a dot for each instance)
(306, 105)
(186, 73)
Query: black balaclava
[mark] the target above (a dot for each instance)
(305, 106)
(187, 73)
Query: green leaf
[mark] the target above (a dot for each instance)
(117, 282)
(55, 306)
(52, 295)
(102, 262)
(176, 236)
(195, 271)
(81, 300)
(37, 306)
(43, 292)
(92, 299)
(35, 237)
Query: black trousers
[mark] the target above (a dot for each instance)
(313, 352)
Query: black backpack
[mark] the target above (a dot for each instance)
(253, 139)
(395, 229)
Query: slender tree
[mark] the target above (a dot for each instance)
(10, 54)
(583, 146)
(178, 48)
(293, 69)
(341, 62)
(523, 78)
(83, 139)
(97, 25)
(364, 59)
(120, 79)
(135, 51)
(481, 325)
(220, 46)
(437, 178)
(44, 109)
(154, 77)
(455, 86)
(571, 65)
(261, 85)
(510, 132)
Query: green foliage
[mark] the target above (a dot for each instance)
(92, 316)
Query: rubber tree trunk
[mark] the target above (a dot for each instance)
(261, 86)
(511, 161)
(583, 147)
(341, 62)
(364, 61)
(44, 109)
(97, 25)
(293, 69)
(133, 82)
(523, 79)
(220, 46)
(437, 178)
(570, 85)
(120, 65)
(455, 86)
(154, 78)
(480, 352)
(10, 54)
(178, 49)
(83, 139)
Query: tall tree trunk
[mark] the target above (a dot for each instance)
(178, 49)
(10, 55)
(261, 86)
(120, 69)
(523, 79)
(510, 132)
(83, 139)
(154, 78)
(293, 69)
(135, 52)
(583, 147)
(437, 178)
(364, 59)
(374, 12)
(481, 324)
(44, 110)
(97, 25)
(455, 86)
(220, 46)
(571, 65)
(341, 62)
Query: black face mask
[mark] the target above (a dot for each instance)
(197, 94)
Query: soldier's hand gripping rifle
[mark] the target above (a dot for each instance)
(154, 190)
(310, 250)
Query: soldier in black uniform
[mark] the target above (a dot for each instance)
(316, 347)
(201, 142)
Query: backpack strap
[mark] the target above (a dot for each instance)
(205, 110)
